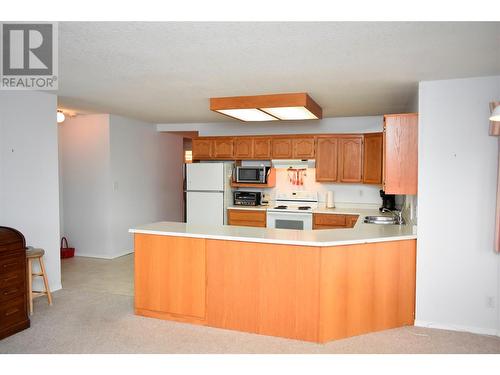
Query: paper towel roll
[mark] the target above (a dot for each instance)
(329, 200)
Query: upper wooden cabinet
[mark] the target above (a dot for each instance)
(388, 158)
(303, 148)
(202, 148)
(339, 159)
(401, 153)
(243, 148)
(262, 148)
(292, 148)
(350, 159)
(237, 148)
(326, 159)
(372, 159)
(281, 148)
(223, 148)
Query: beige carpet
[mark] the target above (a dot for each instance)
(94, 314)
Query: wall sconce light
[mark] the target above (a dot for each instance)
(495, 111)
(60, 116)
(495, 118)
(495, 131)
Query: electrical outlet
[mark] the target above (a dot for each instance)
(361, 193)
(490, 302)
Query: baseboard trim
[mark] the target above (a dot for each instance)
(459, 328)
(100, 256)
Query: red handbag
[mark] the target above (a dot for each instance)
(66, 251)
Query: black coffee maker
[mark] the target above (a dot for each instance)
(388, 201)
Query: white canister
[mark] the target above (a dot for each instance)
(329, 200)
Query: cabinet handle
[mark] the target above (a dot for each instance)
(9, 279)
(9, 265)
(9, 292)
(12, 311)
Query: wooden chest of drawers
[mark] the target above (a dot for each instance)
(13, 309)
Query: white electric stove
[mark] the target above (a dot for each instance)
(292, 210)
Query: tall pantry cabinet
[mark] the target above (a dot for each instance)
(400, 154)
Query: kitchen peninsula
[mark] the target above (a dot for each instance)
(312, 285)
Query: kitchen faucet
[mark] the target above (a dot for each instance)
(398, 215)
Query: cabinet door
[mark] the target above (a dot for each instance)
(350, 220)
(243, 148)
(282, 148)
(401, 154)
(326, 159)
(262, 148)
(202, 148)
(246, 284)
(328, 221)
(170, 275)
(350, 159)
(303, 148)
(372, 159)
(223, 148)
(247, 218)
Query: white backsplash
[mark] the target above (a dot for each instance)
(343, 193)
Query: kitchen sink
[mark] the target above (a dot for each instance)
(380, 220)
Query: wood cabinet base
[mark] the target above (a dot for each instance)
(247, 218)
(9, 331)
(313, 294)
(169, 316)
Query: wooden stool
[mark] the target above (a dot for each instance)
(32, 254)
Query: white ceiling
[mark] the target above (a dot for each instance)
(166, 72)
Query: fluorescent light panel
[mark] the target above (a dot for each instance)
(270, 107)
(290, 113)
(250, 114)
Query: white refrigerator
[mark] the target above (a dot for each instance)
(208, 193)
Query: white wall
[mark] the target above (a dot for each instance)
(85, 184)
(29, 187)
(146, 173)
(116, 173)
(348, 194)
(458, 272)
(327, 125)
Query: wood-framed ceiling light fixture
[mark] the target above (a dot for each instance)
(296, 106)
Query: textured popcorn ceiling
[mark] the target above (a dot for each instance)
(165, 72)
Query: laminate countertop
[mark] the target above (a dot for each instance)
(359, 234)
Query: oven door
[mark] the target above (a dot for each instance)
(289, 220)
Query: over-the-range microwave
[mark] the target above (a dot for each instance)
(251, 175)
